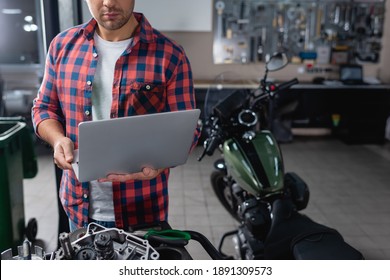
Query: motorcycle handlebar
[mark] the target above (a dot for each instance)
(288, 84)
(215, 139)
(212, 145)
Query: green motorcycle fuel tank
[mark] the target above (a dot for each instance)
(256, 164)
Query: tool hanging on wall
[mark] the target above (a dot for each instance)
(247, 30)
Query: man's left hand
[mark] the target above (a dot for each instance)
(146, 174)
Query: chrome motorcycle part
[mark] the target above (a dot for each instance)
(25, 252)
(247, 118)
(104, 246)
(249, 136)
(77, 234)
(276, 62)
(102, 243)
(86, 253)
(220, 6)
(238, 247)
(61, 255)
(67, 249)
(220, 165)
(247, 246)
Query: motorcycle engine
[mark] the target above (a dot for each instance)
(249, 240)
(100, 243)
(256, 217)
(92, 243)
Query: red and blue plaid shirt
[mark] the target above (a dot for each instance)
(152, 75)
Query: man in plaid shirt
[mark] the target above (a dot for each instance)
(115, 65)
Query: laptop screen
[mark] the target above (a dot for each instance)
(350, 73)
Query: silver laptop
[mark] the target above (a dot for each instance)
(126, 145)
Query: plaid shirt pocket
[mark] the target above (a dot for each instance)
(148, 98)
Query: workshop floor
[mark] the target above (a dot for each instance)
(349, 188)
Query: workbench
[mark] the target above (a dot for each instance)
(357, 114)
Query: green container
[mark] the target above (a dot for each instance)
(17, 161)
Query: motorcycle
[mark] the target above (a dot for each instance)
(251, 183)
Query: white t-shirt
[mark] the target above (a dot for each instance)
(101, 206)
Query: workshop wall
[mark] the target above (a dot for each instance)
(199, 48)
(384, 73)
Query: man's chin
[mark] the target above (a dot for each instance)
(111, 25)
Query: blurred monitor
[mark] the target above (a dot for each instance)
(351, 74)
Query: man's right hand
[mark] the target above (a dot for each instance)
(63, 153)
(52, 132)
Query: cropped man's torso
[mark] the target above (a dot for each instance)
(152, 75)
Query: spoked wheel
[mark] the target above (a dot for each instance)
(32, 230)
(224, 194)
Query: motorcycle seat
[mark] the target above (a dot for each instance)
(324, 246)
(295, 236)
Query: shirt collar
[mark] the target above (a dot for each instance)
(144, 31)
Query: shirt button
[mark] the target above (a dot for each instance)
(148, 87)
(95, 54)
(87, 112)
(89, 83)
(85, 195)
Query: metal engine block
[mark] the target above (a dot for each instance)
(92, 243)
